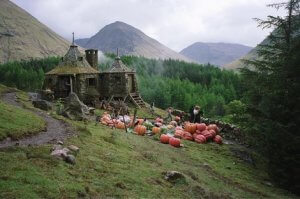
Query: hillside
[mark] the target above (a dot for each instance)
(238, 62)
(130, 41)
(23, 37)
(112, 163)
(215, 53)
(251, 55)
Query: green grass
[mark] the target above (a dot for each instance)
(4, 89)
(112, 163)
(16, 122)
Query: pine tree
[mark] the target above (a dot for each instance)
(273, 82)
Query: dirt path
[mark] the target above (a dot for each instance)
(56, 129)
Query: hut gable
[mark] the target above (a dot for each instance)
(119, 67)
(74, 62)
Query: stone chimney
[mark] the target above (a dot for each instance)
(92, 57)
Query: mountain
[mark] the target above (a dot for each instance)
(81, 42)
(23, 37)
(215, 53)
(253, 53)
(250, 56)
(130, 41)
(238, 62)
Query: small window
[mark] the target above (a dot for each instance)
(92, 81)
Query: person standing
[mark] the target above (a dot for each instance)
(195, 114)
(152, 108)
(169, 117)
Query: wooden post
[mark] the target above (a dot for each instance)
(71, 84)
(134, 116)
(124, 123)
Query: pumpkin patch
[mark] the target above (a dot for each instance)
(172, 133)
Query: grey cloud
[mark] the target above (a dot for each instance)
(175, 23)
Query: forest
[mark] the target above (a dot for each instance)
(178, 84)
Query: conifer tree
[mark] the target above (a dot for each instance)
(273, 82)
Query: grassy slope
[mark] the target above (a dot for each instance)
(112, 163)
(17, 122)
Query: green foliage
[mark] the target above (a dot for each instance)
(235, 113)
(272, 96)
(182, 85)
(26, 75)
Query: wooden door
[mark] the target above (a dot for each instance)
(130, 83)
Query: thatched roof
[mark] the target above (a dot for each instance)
(119, 67)
(74, 62)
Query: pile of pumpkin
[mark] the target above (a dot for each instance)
(117, 123)
(200, 133)
(169, 134)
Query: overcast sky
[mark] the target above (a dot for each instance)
(175, 23)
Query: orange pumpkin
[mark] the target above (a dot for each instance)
(164, 139)
(200, 139)
(218, 139)
(175, 142)
(140, 129)
(187, 136)
(120, 125)
(213, 127)
(213, 133)
(201, 126)
(178, 133)
(207, 134)
(190, 127)
(177, 118)
(155, 130)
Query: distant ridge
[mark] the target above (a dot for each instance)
(215, 53)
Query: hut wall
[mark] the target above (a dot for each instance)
(134, 82)
(50, 82)
(113, 84)
(82, 85)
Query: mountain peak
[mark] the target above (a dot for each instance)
(130, 41)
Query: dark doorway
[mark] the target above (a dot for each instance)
(63, 88)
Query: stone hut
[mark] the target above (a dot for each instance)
(119, 83)
(74, 74)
